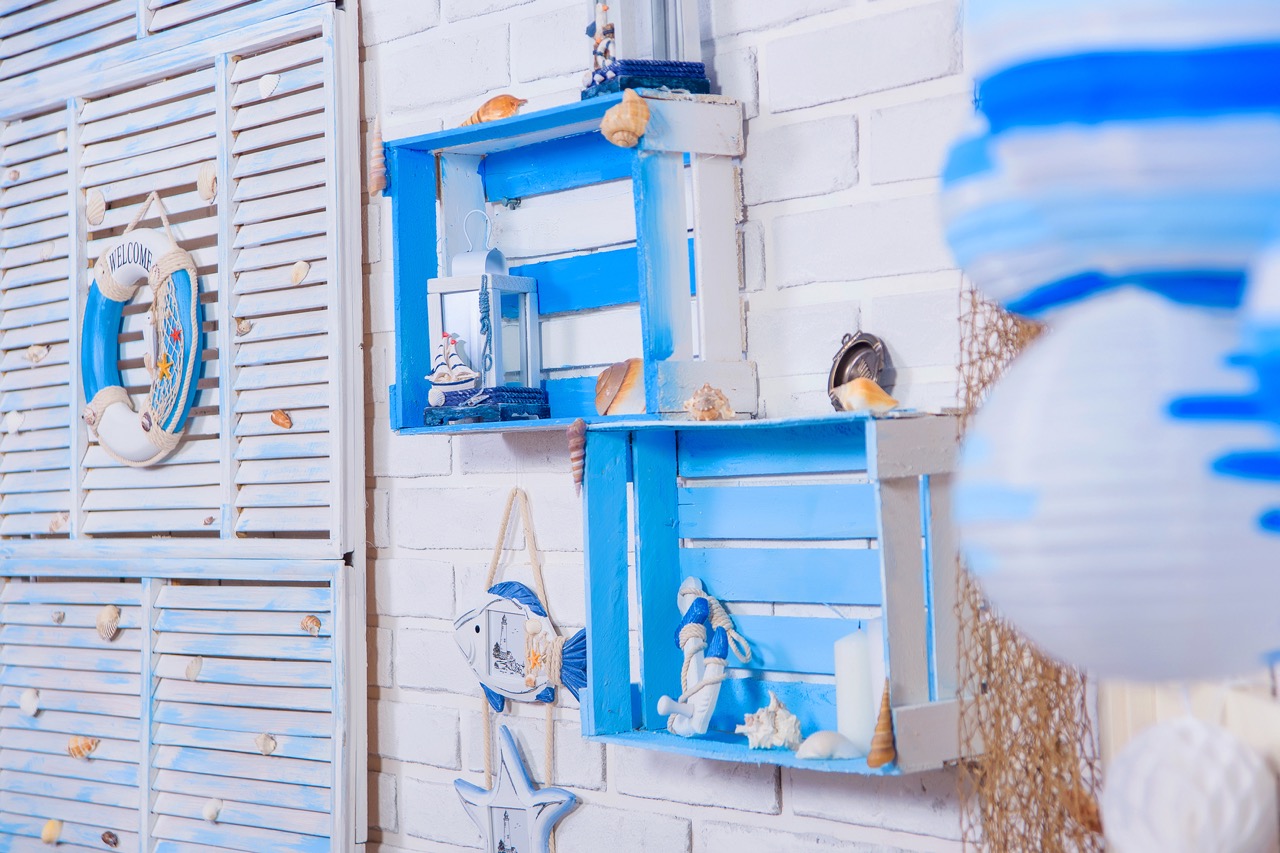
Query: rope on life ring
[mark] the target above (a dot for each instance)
(128, 261)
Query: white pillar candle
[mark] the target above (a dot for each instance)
(859, 669)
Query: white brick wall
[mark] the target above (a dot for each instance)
(849, 104)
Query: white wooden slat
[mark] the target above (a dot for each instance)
(133, 99)
(49, 333)
(304, 420)
(34, 316)
(269, 302)
(35, 254)
(71, 616)
(58, 636)
(70, 811)
(32, 212)
(84, 790)
(153, 521)
(192, 105)
(55, 743)
(95, 770)
(19, 15)
(238, 814)
(285, 326)
(58, 21)
(36, 294)
(296, 599)
(29, 128)
(268, 399)
(157, 477)
(46, 418)
(276, 207)
(43, 439)
(287, 180)
(293, 80)
(145, 144)
(297, 724)
(310, 748)
(54, 269)
(37, 232)
(35, 170)
(285, 495)
(263, 793)
(283, 622)
(187, 232)
(189, 10)
(240, 696)
(249, 672)
(47, 460)
(272, 768)
(53, 375)
(262, 447)
(32, 149)
(35, 845)
(292, 648)
(189, 497)
(282, 350)
(288, 519)
(35, 481)
(279, 230)
(80, 703)
(177, 203)
(24, 836)
(282, 375)
(68, 49)
(72, 723)
(21, 192)
(276, 61)
(280, 133)
(70, 592)
(35, 398)
(284, 471)
(274, 159)
(279, 254)
(36, 502)
(239, 837)
(32, 524)
(188, 452)
(86, 659)
(169, 158)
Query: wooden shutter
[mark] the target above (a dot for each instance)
(36, 35)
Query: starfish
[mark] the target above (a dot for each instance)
(164, 366)
(175, 335)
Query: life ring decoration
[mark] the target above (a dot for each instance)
(144, 436)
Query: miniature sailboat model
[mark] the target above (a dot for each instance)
(448, 370)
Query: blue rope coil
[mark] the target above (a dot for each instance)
(486, 328)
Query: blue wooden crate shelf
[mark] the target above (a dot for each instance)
(783, 521)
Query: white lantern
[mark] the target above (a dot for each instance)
(1094, 520)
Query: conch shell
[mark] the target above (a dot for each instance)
(377, 161)
(863, 395)
(620, 388)
(625, 123)
(577, 451)
(81, 747)
(311, 624)
(497, 107)
(708, 404)
(95, 206)
(266, 743)
(29, 702)
(882, 749)
(207, 181)
(827, 744)
(108, 622)
(51, 832)
(771, 726)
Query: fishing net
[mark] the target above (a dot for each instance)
(1029, 769)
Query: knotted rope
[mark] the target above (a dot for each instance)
(693, 639)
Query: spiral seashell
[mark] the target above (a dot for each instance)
(59, 521)
(82, 747)
(625, 123)
(36, 353)
(620, 388)
(51, 832)
(882, 747)
(497, 107)
(29, 702)
(377, 161)
(243, 326)
(110, 839)
(281, 419)
(211, 810)
(298, 272)
(577, 451)
(709, 404)
(193, 668)
(207, 181)
(266, 743)
(311, 624)
(267, 84)
(95, 207)
(57, 616)
(108, 622)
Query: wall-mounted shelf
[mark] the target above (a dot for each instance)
(678, 269)
(779, 519)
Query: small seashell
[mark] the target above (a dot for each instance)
(46, 251)
(708, 404)
(29, 702)
(435, 397)
(36, 353)
(57, 616)
(59, 521)
(243, 326)
(532, 627)
(625, 123)
(211, 810)
(208, 521)
(81, 747)
(863, 395)
(51, 832)
(882, 749)
(620, 388)
(146, 421)
(377, 161)
(771, 726)
(95, 207)
(110, 839)
(13, 175)
(207, 181)
(281, 419)
(193, 668)
(267, 84)
(13, 421)
(266, 743)
(62, 140)
(298, 273)
(577, 451)
(497, 107)
(824, 745)
(108, 622)
(311, 624)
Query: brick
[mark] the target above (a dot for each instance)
(579, 763)
(729, 17)
(735, 73)
(793, 341)
(455, 10)
(384, 20)
(593, 827)
(864, 56)
(381, 532)
(867, 240)
(551, 43)
(684, 779)
(409, 455)
(910, 141)
(418, 733)
(447, 518)
(798, 160)
(458, 64)
(926, 332)
(735, 838)
(382, 802)
(434, 812)
(422, 588)
(381, 653)
(753, 259)
(431, 660)
(513, 453)
(923, 804)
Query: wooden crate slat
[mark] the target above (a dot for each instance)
(812, 512)
(787, 575)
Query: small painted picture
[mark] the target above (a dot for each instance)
(506, 635)
(510, 831)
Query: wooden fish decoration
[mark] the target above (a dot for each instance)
(497, 107)
(495, 638)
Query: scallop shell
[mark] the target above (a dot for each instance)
(625, 123)
(298, 273)
(709, 404)
(266, 743)
(95, 207)
(771, 726)
(46, 251)
(29, 702)
(377, 161)
(81, 747)
(311, 624)
(57, 616)
(211, 810)
(882, 748)
(36, 353)
(267, 84)
(110, 839)
(281, 419)
(193, 668)
(51, 832)
(620, 388)
(497, 107)
(435, 397)
(827, 744)
(207, 181)
(863, 395)
(108, 621)
(13, 421)
(578, 451)
(59, 521)
(243, 326)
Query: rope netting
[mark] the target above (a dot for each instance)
(1030, 772)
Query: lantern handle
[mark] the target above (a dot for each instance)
(488, 230)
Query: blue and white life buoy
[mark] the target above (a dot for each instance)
(145, 436)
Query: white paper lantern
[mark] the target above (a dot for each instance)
(1095, 522)
(1188, 787)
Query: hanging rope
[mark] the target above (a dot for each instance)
(486, 329)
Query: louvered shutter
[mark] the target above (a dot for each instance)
(35, 35)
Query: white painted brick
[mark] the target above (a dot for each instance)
(923, 804)
(434, 812)
(384, 20)
(910, 141)
(804, 159)
(791, 341)
(381, 654)
(753, 261)
(429, 518)
(735, 838)
(735, 73)
(926, 331)
(431, 660)
(863, 56)
(737, 16)
(551, 43)
(382, 802)
(422, 588)
(381, 533)
(579, 763)
(455, 10)
(380, 348)
(397, 455)
(380, 309)
(593, 827)
(684, 779)
(442, 65)
(867, 240)
(513, 452)
(418, 733)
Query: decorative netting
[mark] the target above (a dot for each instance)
(1029, 769)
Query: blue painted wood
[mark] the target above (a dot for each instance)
(817, 512)
(584, 282)
(413, 212)
(717, 746)
(295, 723)
(606, 707)
(787, 575)
(572, 398)
(792, 643)
(511, 132)
(839, 446)
(553, 166)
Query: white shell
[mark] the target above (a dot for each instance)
(827, 744)
(771, 726)
(62, 140)
(207, 181)
(108, 621)
(211, 810)
(243, 326)
(95, 207)
(57, 616)
(13, 421)
(46, 251)
(267, 84)
(435, 397)
(29, 701)
(266, 743)
(36, 353)
(193, 668)
(299, 272)
(59, 521)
